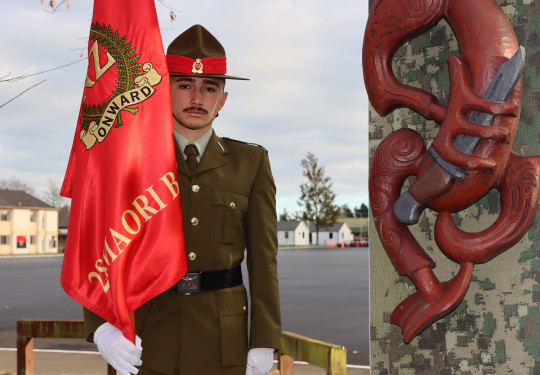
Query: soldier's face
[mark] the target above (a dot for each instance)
(196, 101)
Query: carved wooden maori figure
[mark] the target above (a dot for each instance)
(471, 154)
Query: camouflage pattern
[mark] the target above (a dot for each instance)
(496, 329)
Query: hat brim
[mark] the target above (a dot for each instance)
(224, 76)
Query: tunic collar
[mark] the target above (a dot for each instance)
(200, 143)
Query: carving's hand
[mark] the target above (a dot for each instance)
(118, 351)
(259, 361)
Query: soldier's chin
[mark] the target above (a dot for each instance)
(195, 125)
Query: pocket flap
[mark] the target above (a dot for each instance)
(232, 302)
(231, 199)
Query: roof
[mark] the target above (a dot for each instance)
(334, 228)
(19, 198)
(288, 225)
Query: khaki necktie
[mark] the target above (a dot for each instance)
(191, 152)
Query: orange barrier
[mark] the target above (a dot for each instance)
(361, 243)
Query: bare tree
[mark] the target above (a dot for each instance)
(317, 197)
(52, 196)
(53, 6)
(172, 14)
(6, 78)
(15, 184)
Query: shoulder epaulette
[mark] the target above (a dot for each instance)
(238, 141)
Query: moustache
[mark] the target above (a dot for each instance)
(198, 109)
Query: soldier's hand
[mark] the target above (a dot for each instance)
(259, 361)
(118, 351)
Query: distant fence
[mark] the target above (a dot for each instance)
(332, 358)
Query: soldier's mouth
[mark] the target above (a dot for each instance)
(196, 110)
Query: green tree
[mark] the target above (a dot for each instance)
(284, 215)
(345, 211)
(362, 211)
(317, 197)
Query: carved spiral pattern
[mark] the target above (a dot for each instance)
(396, 158)
(486, 38)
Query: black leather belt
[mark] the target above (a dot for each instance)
(195, 282)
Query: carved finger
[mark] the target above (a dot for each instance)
(465, 161)
(482, 131)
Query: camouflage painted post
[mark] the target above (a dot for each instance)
(496, 329)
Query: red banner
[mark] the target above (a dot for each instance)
(125, 242)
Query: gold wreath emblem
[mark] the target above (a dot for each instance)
(197, 66)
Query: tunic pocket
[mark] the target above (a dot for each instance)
(233, 318)
(228, 208)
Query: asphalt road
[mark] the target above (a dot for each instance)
(324, 295)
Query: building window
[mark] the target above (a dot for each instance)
(286, 234)
(303, 234)
(4, 215)
(21, 242)
(331, 235)
(32, 216)
(4, 240)
(32, 240)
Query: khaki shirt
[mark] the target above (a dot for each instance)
(228, 208)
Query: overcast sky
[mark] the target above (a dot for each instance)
(306, 92)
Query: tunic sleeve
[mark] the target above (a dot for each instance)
(91, 323)
(261, 245)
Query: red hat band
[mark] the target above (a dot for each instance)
(186, 65)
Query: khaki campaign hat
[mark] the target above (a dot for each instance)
(197, 53)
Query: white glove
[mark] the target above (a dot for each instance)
(118, 351)
(259, 361)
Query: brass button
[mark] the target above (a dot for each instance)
(232, 205)
(187, 294)
(194, 221)
(244, 308)
(192, 256)
(195, 188)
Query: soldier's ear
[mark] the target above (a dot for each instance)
(223, 99)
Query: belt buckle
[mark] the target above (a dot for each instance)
(190, 283)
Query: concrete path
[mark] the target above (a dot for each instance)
(77, 357)
(92, 364)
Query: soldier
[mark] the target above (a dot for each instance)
(200, 326)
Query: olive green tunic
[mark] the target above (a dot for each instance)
(231, 198)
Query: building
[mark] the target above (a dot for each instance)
(27, 224)
(358, 225)
(337, 233)
(63, 221)
(292, 233)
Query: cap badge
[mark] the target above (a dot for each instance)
(197, 67)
